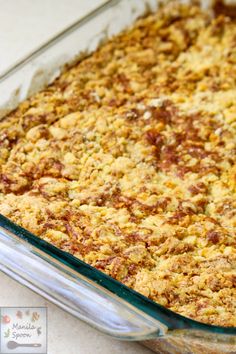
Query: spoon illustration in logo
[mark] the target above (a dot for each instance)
(13, 345)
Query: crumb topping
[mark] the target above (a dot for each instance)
(128, 162)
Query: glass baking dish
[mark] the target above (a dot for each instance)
(78, 288)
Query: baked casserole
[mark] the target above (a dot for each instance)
(128, 161)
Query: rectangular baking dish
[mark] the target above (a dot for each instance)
(78, 288)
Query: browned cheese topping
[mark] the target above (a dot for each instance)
(128, 162)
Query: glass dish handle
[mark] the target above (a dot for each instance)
(73, 292)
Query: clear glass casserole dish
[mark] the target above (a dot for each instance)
(73, 285)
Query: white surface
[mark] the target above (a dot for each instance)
(24, 25)
(27, 24)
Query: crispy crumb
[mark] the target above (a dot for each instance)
(127, 161)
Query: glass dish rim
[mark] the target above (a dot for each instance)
(172, 319)
(106, 4)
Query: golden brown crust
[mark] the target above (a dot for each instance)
(128, 162)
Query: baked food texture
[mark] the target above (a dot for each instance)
(128, 161)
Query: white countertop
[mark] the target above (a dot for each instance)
(24, 25)
(27, 24)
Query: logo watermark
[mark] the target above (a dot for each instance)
(23, 330)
